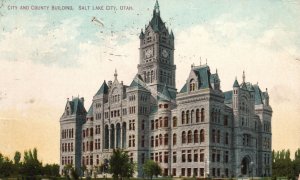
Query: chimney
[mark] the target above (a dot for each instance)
(109, 84)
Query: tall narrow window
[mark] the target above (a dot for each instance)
(166, 139)
(196, 136)
(174, 139)
(197, 115)
(183, 137)
(202, 135)
(189, 136)
(202, 115)
(182, 117)
(175, 121)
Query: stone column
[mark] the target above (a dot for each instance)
(121, 136)
(109, 134)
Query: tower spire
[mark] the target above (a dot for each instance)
(116, 74)
(244, 77)
(156, 7)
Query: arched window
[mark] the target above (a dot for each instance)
(219, 115)
(156, 123)
(129, 141)
(152, 141)
(183, 137)
(192, 85)
(143, 125)
(202, 136)
(156, 140)
(187, 116)
(152, 124)
(197, 115)
(218, 136)
(174, 139)
(166, 139)
(213, 136)
(166, 123)
(202, 115)
(174, 121)
(160, 139)
(192, 115)
(160, 122)
(226, 138)
(196, 136)
(189, 136)
(182, 117)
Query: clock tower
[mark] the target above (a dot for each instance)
(156, 66)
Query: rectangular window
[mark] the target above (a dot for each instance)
(189, 156)
(202, 172)
(189, 172)
(166, 157)
(182, 171)
(201, 155)
(174, 172)
(174, 157)
(183, 156)
(143, 158)
(195, 155)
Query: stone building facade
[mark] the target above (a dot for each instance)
(199, 131)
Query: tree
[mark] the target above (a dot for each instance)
(151, 169)
(6, 166)
(120, 165)
(17, 157)
(31, 165)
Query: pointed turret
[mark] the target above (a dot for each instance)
(116, 74)
(142, 35)
(156, 9)
(236, 83)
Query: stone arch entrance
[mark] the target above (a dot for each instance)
(245, 165)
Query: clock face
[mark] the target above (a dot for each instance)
(148, 53)
(165, 53)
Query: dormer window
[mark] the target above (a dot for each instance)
(192, 85)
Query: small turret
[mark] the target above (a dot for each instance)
(266, 97)
(142, 35)
(236, 83)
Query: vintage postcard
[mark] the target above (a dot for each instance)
(202, 88)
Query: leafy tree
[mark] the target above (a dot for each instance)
(31, 165)
(17, 157)
(6, 166)
(120, 165)
(151, 169)
(51, 170)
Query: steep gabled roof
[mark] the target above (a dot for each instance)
(236, 83)
(91, 110)
(258, 95)
(103, 89)
(183, 89)
(165, 95)
(203, 74)
(77, 107)
(228, 97)
(214, 78)
(138, 82)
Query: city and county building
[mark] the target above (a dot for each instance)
(199, 131)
